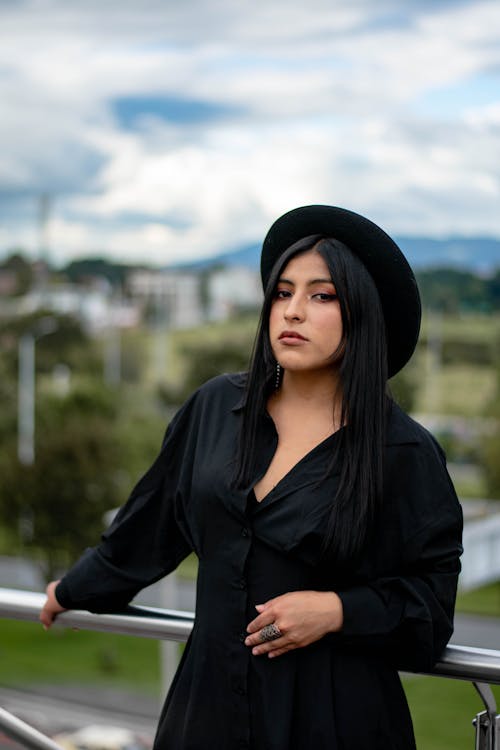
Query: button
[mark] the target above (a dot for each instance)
(244, 531)
(238, 685)
(243, 584)
(243, 637)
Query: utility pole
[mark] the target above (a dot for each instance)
(26, 400)
(26, 389)
(44, 209)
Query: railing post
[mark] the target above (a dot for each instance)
(487, 722)
(25, 734)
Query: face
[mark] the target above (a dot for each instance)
(305, 323)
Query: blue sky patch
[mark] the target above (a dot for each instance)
(452, 100)
(132, 110)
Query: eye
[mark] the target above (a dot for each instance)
(282, 294)
(325, 296)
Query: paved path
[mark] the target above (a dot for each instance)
(54, 709)
(473, 630)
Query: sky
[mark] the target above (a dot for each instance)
(162, 131)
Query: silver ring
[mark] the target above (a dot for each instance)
(270, 632)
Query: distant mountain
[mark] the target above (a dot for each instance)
(478, 254)
(246, 255)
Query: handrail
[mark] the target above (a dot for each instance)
(147, 622)
(22, 732)
(477, 665)
(458, 662)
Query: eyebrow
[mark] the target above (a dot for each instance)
(309, 283)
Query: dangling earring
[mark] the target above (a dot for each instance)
(278, 376)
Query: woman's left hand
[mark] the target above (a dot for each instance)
(302, 617)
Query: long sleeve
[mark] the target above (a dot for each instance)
(407, 608)
(147, 539)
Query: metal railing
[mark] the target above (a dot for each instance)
(476, 665)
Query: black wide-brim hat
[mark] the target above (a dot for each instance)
(381, 256)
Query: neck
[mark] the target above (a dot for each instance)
(317, 388)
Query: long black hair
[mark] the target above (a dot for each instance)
(361, 359)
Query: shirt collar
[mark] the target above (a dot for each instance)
(239, 379)
(401, 429)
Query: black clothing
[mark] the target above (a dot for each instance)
(340, 693)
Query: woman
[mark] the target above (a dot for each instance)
(326, 526)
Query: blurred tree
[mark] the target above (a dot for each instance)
(58, 503)
(68, 344)
(22, 270)
(208, 359)
(453, 290)
(493, 287)
(205, 360)
(91, 442)
(85, 269)
(403, 387)
(490, 449)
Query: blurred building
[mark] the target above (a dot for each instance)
(95, 307)
(171, 298)
(231, 290)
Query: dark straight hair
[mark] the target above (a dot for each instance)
(361, 361)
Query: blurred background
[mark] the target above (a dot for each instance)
(145, 148)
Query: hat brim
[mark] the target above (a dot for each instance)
(381, 256)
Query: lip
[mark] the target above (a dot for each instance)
(291, 337)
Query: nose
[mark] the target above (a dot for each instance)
(295, 309)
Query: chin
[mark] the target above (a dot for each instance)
(303, 367)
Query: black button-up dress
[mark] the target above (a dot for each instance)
(340, 693)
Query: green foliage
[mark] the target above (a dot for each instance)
(80, 271)
(490, 448)
(58, 503)
(205, 360)
(22, 271)
(491, 464)
(91, 444)
(67, 344)
(454, 291)
(403, 387)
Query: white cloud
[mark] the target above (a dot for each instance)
(329, 105)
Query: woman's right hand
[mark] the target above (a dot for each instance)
(51, 608)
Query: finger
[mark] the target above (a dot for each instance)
(268, 646)
(279, 651)
(260, 636)
(269, 603)
(46, 618)
(264, 609)
(266, 618)
(254, 638)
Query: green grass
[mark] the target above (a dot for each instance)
(465, 327)
(188, 568)
(29, 655)
(482, 601)
(439, 390)
(459, 389)
(442, 711)
(164, 348)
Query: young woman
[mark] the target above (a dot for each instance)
(326, 526)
